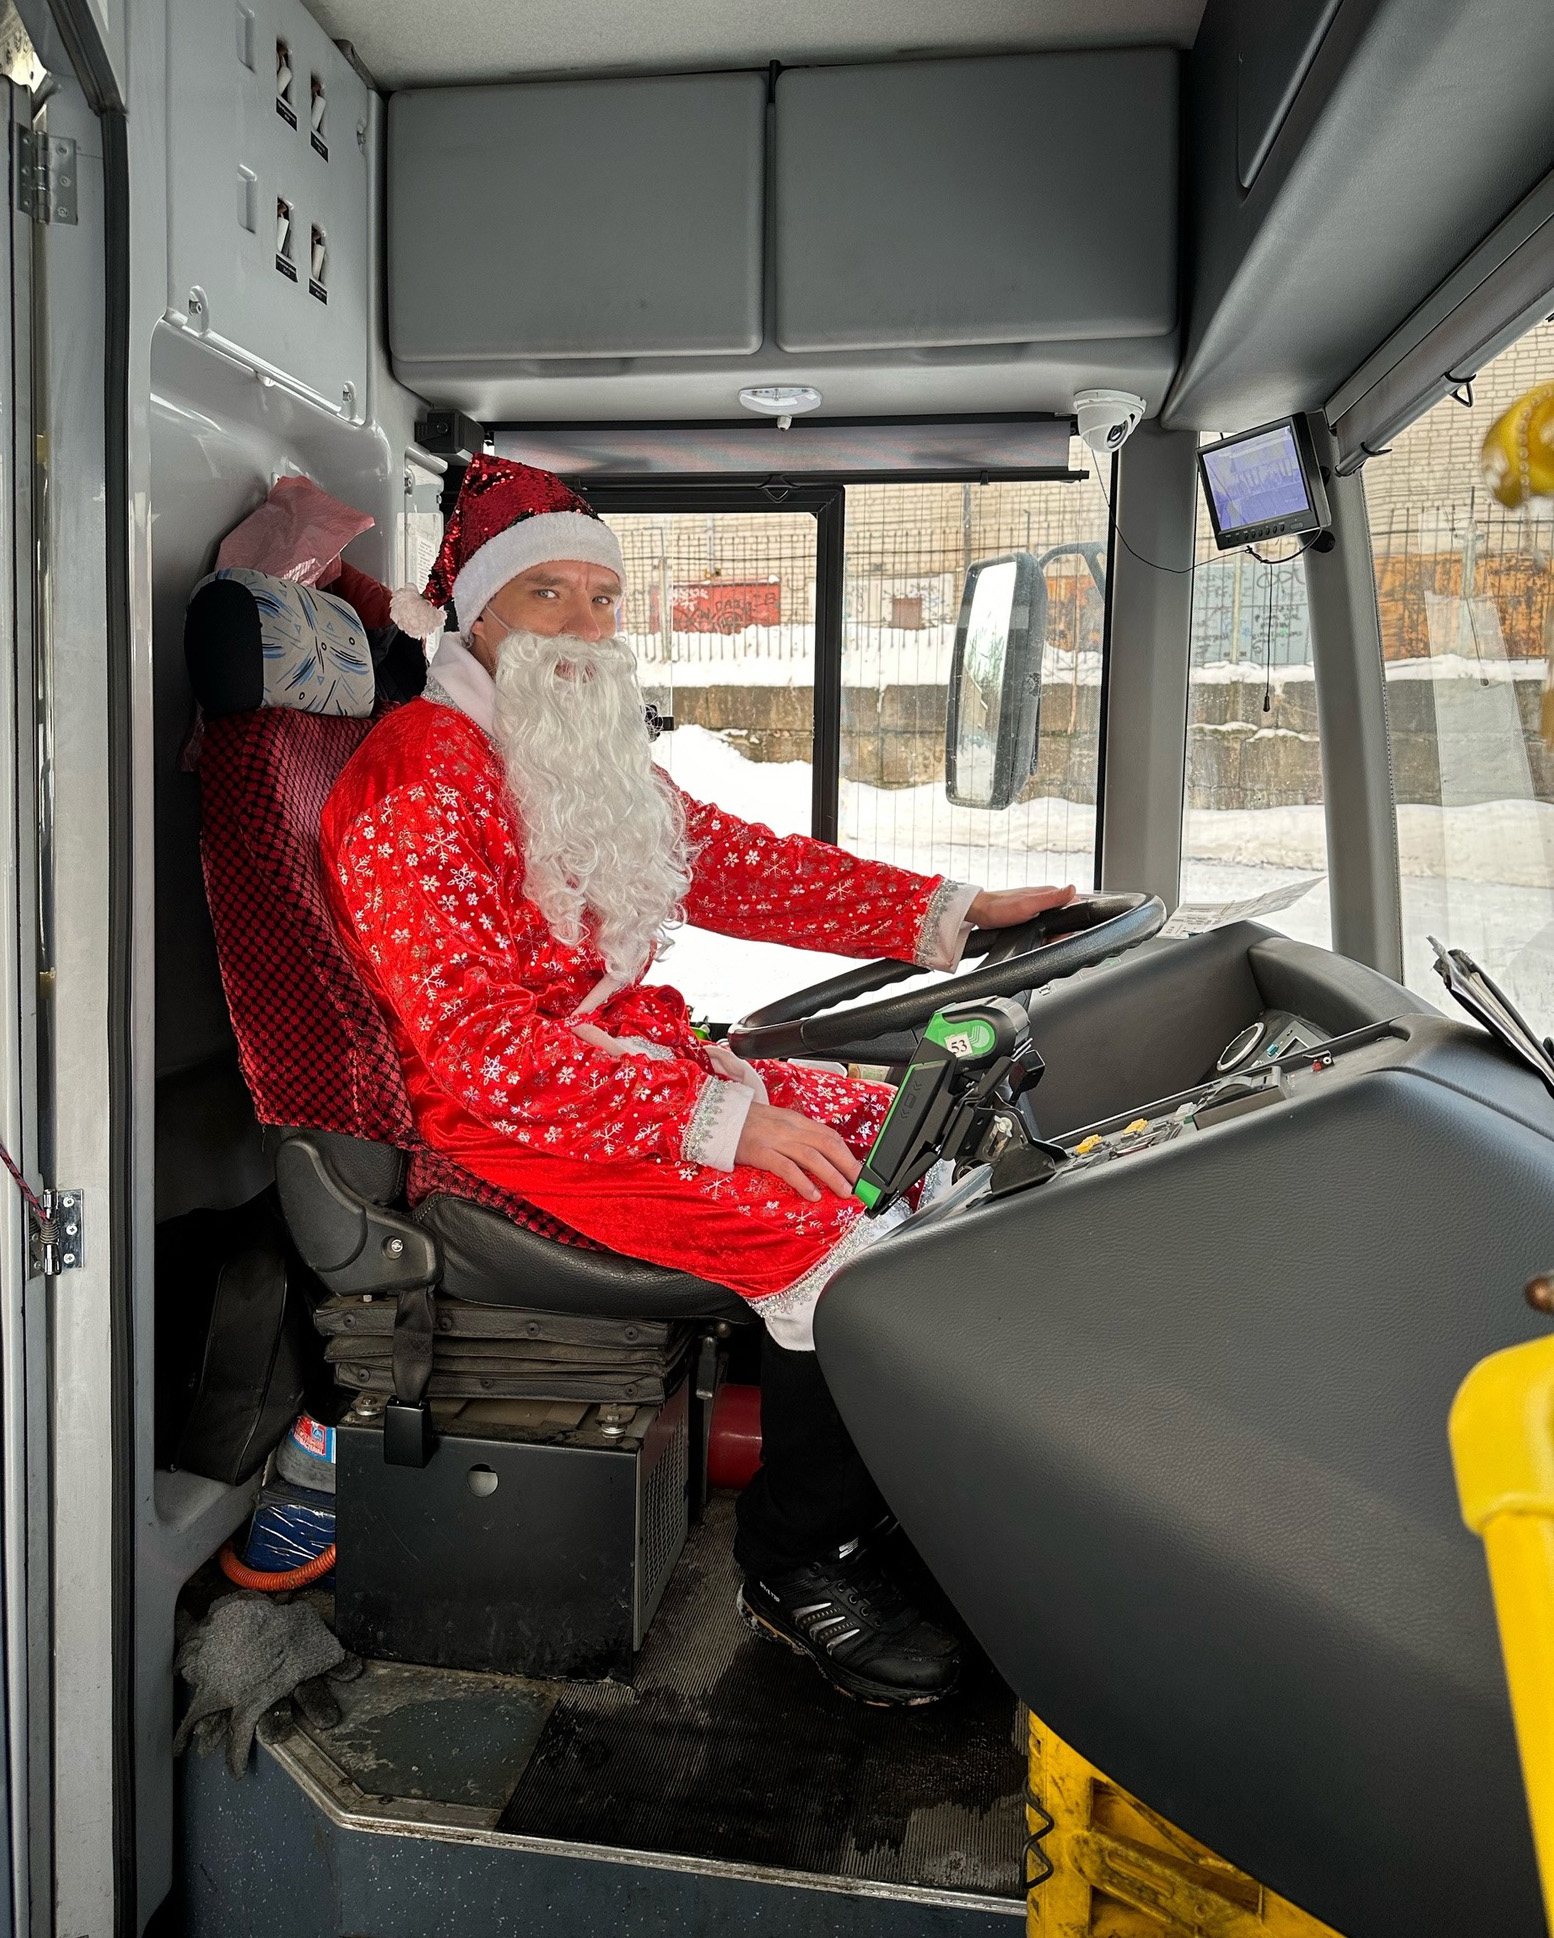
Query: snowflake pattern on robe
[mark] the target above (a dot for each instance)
(423, 854)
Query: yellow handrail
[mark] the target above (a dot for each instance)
(1502, 1443)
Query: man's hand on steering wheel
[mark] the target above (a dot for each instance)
(796, 1149)
(1005, 908)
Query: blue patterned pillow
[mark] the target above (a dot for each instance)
(251, 640)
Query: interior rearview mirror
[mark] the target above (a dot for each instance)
(995, 682)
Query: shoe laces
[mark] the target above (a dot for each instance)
(870, 1589)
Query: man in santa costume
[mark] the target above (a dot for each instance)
(506, 864)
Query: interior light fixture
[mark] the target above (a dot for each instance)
(782, 401)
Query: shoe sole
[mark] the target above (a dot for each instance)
(873, 1695)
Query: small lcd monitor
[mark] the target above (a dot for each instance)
(1264, 484)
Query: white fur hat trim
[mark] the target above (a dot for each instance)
(546, 537)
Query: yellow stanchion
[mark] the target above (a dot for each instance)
(1100, 1864)
(1502, 1443)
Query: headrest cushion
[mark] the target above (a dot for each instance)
(251, 640)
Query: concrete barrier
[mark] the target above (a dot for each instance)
(1238, 756)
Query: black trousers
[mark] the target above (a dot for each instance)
(813, 1493)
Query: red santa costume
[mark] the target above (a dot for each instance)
(534, 1053)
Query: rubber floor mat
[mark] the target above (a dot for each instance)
(737, 1749)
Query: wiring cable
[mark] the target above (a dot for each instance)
(1176, 571)
(1268, 642)
(1187, 571)
(274, 1581)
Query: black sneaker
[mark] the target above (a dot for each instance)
(852, 1620)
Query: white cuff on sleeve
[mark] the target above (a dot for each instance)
(712, 1136)
(945, 927)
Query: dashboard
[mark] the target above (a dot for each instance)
(1168, 1421)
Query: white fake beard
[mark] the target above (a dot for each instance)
(604, 835)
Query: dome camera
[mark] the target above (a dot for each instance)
(1106, 418)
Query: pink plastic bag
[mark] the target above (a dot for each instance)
(298, 533)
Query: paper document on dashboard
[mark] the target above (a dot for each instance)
(1196, 918)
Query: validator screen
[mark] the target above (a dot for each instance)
(1256, 480)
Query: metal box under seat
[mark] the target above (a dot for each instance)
(536, 1541)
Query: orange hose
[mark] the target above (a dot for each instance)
(273, 1581)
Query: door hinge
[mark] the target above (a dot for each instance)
(56, 1233)
(45, 176)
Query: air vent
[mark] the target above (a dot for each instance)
(284, 81)
(285, 231)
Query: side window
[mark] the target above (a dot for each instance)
(1253, 825)
(1465, 590)
(909, 547)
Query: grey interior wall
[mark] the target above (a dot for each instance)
(1147, 671)
(211, 426)
(1417, 126)
(931, 203)
(218, 441)
(237, 154)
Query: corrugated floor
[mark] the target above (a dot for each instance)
(735, 1748)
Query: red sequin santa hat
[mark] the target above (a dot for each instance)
(507, 518)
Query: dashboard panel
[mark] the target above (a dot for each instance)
(1170, 1426)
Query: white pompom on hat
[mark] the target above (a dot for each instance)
(508, 517)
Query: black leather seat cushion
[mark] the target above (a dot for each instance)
(492, 1261)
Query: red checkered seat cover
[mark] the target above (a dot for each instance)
(314, 1049)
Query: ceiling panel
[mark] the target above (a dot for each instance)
(406, 43)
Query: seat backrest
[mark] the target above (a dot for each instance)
(314, 1047)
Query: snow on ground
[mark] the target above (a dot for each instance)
(1474, 875)
(1465, 666)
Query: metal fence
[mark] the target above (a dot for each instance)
(1473, 550)
(711, 589)
(1250, 613)
(704, 590)
(1253, 613)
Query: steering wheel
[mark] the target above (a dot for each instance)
(1084, 931)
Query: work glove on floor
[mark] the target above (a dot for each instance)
(248, 1654)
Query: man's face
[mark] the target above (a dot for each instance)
(562, 596)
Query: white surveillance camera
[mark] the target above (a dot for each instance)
(1107, 418)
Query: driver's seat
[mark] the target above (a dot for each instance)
(369, 1206)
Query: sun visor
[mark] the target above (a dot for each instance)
(816, 450)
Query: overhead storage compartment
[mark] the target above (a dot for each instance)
(941, 237)
(1011, 200)
(576, 219)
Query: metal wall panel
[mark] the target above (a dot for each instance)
(236, 153)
